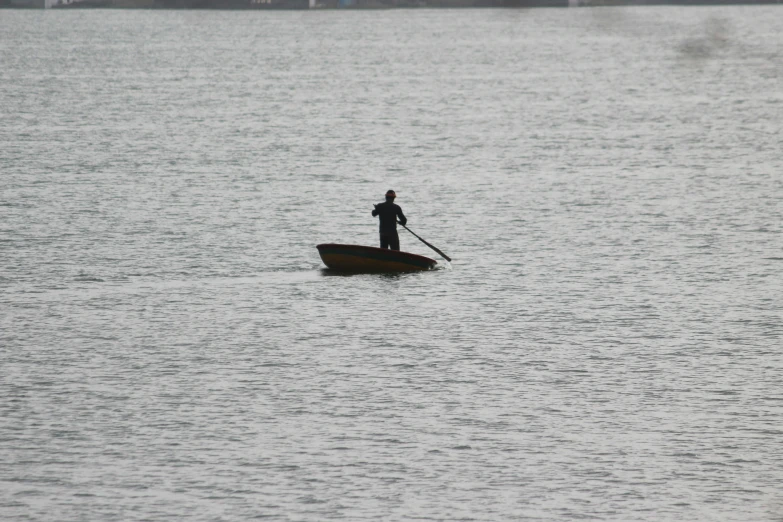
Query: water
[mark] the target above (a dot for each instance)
(605, 344)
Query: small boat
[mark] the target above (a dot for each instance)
(357, 258)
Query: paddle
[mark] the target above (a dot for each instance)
(447, 258)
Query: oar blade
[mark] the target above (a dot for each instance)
(444, 256)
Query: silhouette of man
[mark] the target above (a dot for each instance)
(388, 213)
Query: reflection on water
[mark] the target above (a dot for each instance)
(606, 345)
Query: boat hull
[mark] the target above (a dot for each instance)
(357, 258)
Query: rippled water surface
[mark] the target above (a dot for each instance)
(605, 345)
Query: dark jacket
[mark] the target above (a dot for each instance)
(388, 213)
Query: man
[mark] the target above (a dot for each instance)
(388, 213)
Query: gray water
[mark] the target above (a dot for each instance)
(606, 343)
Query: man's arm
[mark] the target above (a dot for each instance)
(403, 219)
(375, 210)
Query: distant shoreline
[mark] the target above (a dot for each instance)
(297, 5)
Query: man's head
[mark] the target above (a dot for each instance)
(390, 195)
